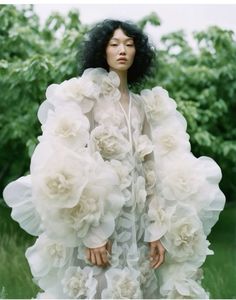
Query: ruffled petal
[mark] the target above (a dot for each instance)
(43, 111)
(18, 195)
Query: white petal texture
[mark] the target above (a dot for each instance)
(59, 175)
(185, 239)
(75, 193)
(158, 105)
(68, 126)
(183, 282)
(47, 258)
(79, 283)
(143, 146)
(122, 284)
(109, 142)
(76, 90)
(18, 195)
(110, 86)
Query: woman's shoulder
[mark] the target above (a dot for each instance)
(152, 96)
(156, 96)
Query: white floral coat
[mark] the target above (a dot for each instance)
(100, 173)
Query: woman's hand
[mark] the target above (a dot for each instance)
(157, 254)
(99, 256)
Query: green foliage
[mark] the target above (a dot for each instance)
(152, 18)
(201, 80)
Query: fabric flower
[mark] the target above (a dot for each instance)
(185, 239)
(123, 170)
(18, 195)
(46, 255)
(158, 219)
(181, 181)
(87, 212)
(95, 211)
(110, 84)
(60, 94)
(171, 136)
(143, 146)
(76, 90)
(95, 75)
(68, 126)
(122, 284)
(182, 281)
(58, 175)
(79, 283)
(157, 104)
(109, 142)
(44, 108)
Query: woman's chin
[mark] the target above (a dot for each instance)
(120, 68)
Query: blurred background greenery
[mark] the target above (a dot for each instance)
(202, 81)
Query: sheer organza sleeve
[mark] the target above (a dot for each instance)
(71, 194)
(187, 200)
(155, 226)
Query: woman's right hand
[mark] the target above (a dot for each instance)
(99, 256)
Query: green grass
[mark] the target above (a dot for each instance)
(15, 277)
(219, 269)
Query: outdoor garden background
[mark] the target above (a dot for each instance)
(202, 81)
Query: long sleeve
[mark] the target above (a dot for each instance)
(155, 227)
(187, 200)
(182, 179)
(71, 193)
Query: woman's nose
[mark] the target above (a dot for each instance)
(122, 49)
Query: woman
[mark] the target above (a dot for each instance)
(113, 183)
(120, 53)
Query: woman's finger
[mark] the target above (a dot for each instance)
(160, 248)
(161, 252)
(98, 258)
(155, 260)
(87, 253)
(104, 257)
(109, 246)
(160, 261)
(93, 259)
(152, 251)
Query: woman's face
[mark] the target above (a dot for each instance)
(120, 51)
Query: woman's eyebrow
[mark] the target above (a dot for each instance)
(113, 38)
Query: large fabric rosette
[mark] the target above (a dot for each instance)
(187, 201)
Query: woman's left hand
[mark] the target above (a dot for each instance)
(157, 254)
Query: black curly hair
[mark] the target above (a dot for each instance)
(92, 50)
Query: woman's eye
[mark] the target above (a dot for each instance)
(113, 44)
(130, 45)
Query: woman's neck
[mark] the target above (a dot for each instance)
(123, 87)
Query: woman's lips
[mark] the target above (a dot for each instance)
(122, 60)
